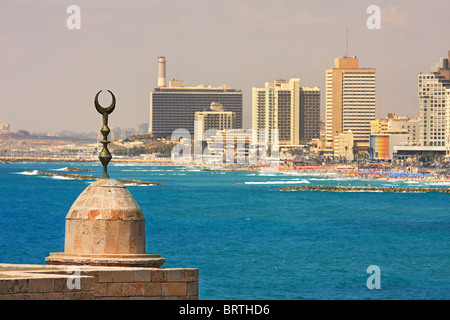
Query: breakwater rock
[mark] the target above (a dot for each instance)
(91, 177)
(77, 169)
(361, 188)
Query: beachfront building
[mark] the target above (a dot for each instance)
(397, 124)
(174, 107)
(285, 106)
(344, 146)
(447, 125)
(276, 107)
(378, 126)
(382, 145)
(432, 90)
(309, 114)
(231, 146)
(216, 118)
(350, 100)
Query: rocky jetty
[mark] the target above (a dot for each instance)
(77, 169)
(91, 177)
(361, 188)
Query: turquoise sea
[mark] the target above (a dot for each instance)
(248, 240)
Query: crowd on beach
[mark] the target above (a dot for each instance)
(398, 175)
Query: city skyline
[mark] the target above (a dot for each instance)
(51, 73)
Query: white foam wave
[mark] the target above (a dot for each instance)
(277, 182)
(28, 173)
(62, 178)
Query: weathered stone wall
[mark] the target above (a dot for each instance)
(42, 282)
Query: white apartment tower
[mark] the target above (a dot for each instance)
(293, 110)
(447, 125)
(433, 91)
(276, 106)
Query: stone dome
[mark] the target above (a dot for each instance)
(105, 225)
(105, 218)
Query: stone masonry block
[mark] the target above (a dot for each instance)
(41, 285)
(142, 275)
(189, 275)
(152, 289)
(159, 275)
(192, 289)
(173, 275)
(173, 289)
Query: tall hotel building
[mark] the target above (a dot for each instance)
(309, 114)
(350, 100)
(284, 105)
(434, 91)
(174, 107)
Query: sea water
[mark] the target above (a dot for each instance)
(248, 240)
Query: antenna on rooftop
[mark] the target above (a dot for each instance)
(346, 45)
(178, 66)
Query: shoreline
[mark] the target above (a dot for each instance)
(351, 171)
(75, 176)
(364, 189)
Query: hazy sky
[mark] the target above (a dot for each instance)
(49, 74)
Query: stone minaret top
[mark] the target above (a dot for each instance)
(105, 225)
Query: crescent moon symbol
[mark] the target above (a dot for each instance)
(102, 110)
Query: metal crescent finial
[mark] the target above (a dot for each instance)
(105, 155)
(102, 110)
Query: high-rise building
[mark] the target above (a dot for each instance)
(215, 118)
(174, 107)
(433, 89)
(447, 125)
(285, 106)
(276, 107)
(350, 100)
(309, 114)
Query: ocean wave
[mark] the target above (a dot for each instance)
(60, 178)
(277, 182)
(61, 169)
(138, 185)
(28, 173)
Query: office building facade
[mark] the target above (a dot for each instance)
(174, 107)
(350, 100)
